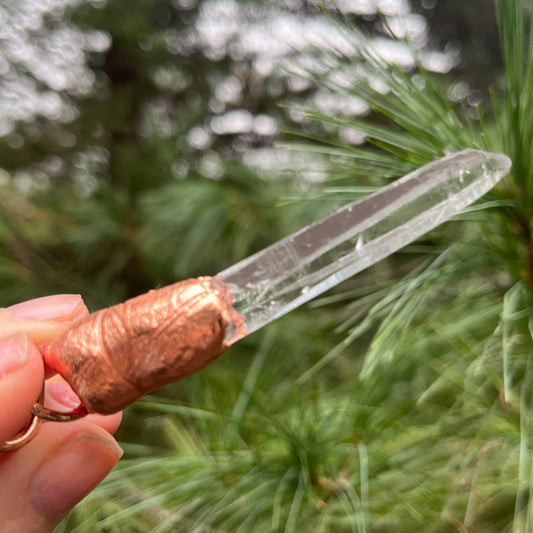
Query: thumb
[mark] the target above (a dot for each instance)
(41, 482)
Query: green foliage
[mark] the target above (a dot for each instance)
(400, 402)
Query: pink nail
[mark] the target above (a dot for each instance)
(60, 397)
(57, 307)
(13, 352)
(72, 471)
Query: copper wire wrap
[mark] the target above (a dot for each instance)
(25, 436)
(116, 355)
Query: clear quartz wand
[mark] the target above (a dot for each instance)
(116, 355)
(294, 270)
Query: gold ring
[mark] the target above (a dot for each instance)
(25, 436)
(39, 413)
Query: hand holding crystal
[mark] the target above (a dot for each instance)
(43, 480)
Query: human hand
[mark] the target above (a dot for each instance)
(41, 482)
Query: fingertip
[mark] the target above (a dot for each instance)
(43, 319)
(109, 423)
(57, 307)
(52, 473)
(60, 397)
(72, 471)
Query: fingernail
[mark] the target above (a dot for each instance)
(13, 352)
(56, 307)
(72, 472)
(59, 395)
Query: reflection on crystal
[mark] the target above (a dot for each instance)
(294, 270)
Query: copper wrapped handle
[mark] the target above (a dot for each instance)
(118, 354)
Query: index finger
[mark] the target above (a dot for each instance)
(42, 319)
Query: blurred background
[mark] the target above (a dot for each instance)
(138, 141)
(147, 141)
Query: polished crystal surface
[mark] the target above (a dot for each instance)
(291, 272)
